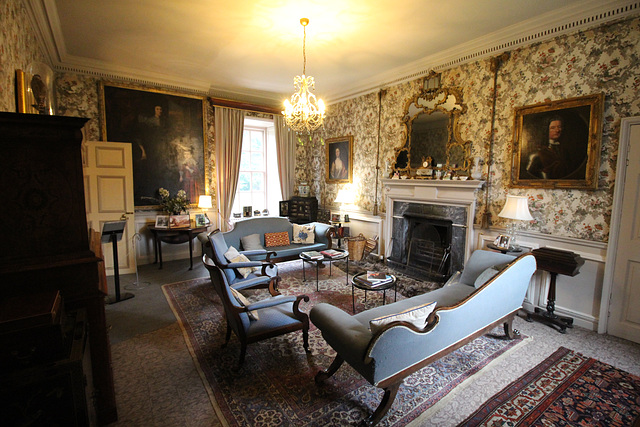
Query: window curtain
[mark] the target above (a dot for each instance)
(286, 147)
(229, 126)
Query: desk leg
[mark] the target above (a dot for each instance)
(190, 252)
(549, 317)
(159, 243)
(155, 248)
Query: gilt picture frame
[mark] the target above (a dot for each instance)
(556, 144)
(167, 132)
(339, 158)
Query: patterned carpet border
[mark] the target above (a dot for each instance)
(567, 389)
(275, 386)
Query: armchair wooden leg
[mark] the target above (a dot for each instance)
(335, 365)
(509, 331)
(387, 400)
(243, 353)
(228, 337)
(305, 338)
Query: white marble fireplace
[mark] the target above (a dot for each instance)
(449, 204)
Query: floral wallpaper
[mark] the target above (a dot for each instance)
(605, 60)
(18, 48)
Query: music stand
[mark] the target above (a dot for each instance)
(112, 232)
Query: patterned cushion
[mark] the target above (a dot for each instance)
(304, 234)
(417, 316)
(276, 239)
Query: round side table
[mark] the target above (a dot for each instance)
(366, 287)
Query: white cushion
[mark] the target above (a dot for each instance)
(304, 234)
(232, 255)
(253, 314)
(417, 316)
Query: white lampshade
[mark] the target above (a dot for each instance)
(516, 207)
(204, 202)
(343, 197)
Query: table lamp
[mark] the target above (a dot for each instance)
(516, 208)
(343, 197)
(204, 203)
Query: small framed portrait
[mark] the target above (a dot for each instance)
(503, 241)
(339, 159)
(284, 208)
(162, 221)
(200, 220)
(335, 217)
(247, 212)
(557, 144)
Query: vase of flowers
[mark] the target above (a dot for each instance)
(173, 205)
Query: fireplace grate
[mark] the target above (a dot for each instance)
(425, 255)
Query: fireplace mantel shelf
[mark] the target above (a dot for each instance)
(432, 190)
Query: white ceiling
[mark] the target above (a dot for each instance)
(250, 50)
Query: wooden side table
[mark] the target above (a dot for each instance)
(174, 236)
(555, 262)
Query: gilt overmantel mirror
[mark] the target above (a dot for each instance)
(433, 144)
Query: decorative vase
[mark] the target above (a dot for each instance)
(476, 171)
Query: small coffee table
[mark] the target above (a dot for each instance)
(318, 262)
(355, 284)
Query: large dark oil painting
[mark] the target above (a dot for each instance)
(166, 132)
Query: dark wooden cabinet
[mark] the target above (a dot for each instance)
(303, 210)
(57, 392)
(45, 243)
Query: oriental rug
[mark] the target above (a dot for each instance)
(275, 386)
(566, 389)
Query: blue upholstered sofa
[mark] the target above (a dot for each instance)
(469, 305)
(262, 225)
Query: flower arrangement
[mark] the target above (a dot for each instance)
(173, 205)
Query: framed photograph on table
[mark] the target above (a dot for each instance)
(557, 144)
(339, 159)
(200, 220)
(162, 221)
(167, 135)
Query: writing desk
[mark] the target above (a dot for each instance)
(174, 236)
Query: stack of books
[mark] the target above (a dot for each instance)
(312, 255)
(331, 253)
(374, 278)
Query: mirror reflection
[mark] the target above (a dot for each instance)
(433, 141)
(429, 137)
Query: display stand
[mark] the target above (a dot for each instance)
(112, 232)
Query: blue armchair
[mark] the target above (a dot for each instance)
(265, 271)
(257, 321)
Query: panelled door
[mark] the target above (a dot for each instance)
(108, 187)
(624, 307)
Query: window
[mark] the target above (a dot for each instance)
(258, 181)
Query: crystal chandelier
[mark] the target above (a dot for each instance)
(303, 113)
